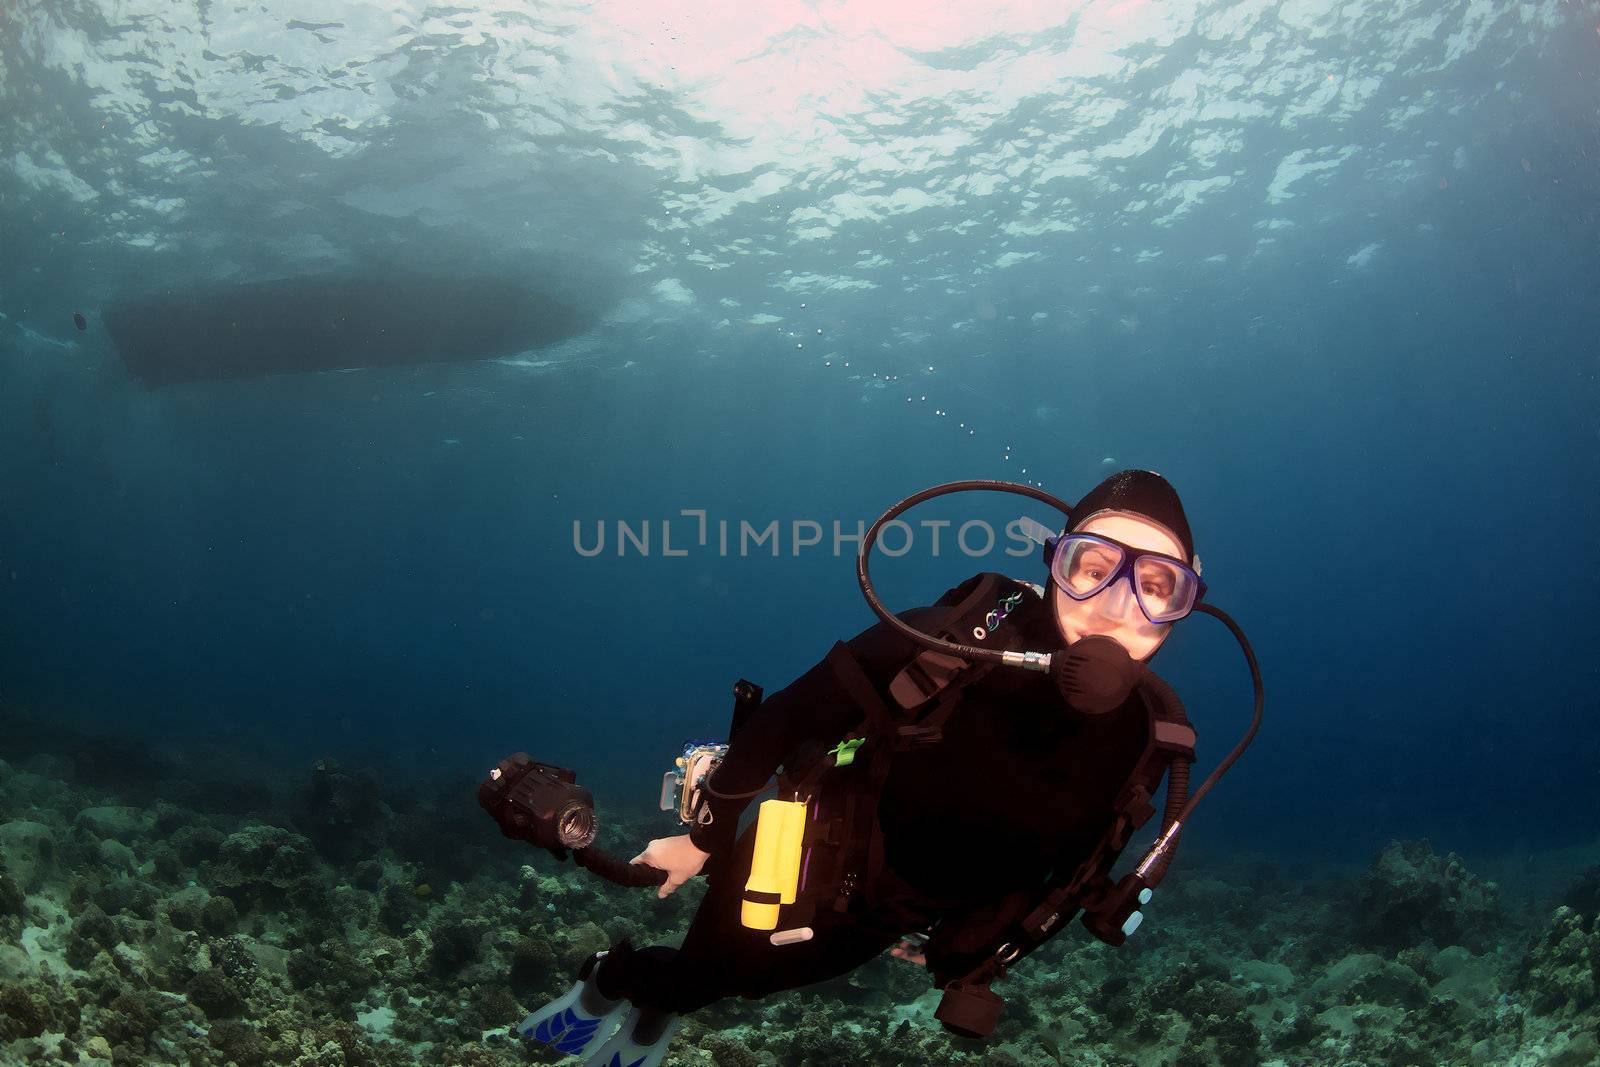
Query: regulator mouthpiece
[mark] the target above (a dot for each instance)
(1095, 674)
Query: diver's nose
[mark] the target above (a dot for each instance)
(1116, 601)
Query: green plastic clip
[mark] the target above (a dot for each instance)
(844, 753)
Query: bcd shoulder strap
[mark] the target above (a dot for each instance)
(931, 672)
(929, 675)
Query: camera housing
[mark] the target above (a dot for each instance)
(681, 790)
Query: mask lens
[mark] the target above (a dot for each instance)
(1085, 565)
(1166, 590)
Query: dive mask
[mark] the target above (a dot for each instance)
(1084, 565)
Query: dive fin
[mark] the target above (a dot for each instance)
(578, 1020)
(641, 1041)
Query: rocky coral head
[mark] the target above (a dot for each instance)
(1411, 894)
(263, 865)
(1583, 897)
(342, 812)
(12, 899)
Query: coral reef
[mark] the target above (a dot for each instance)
(333, 922)
(1561, 970)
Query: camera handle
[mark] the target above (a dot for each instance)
(616, 869)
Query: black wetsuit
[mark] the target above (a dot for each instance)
(1021, 785)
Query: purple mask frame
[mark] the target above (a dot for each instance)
(1130, 556)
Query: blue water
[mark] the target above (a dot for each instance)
(1332, 273)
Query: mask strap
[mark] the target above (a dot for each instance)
(1036, 531)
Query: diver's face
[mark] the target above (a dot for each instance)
(1114, 611)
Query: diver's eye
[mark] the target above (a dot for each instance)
(1091, 567)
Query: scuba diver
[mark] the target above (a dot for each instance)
(931, 802)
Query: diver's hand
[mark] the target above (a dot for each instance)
(910, 949)
(678, 856)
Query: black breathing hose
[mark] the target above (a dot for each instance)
(1255, 721)
(967, 652)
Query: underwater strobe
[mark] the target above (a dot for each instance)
(544, 805)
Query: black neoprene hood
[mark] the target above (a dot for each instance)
(1143, 493)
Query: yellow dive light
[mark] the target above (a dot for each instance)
(775, 864)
